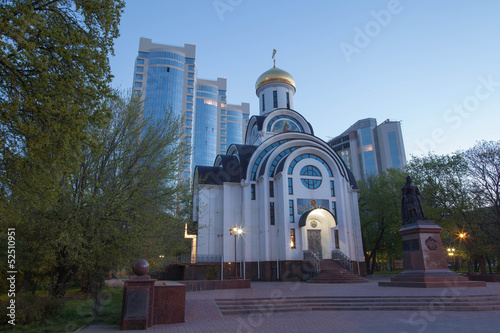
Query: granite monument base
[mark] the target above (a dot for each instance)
(424, 258)
(138, 300)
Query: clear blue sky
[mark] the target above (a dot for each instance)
(434, 65)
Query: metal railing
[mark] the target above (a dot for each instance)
(200, 259)
(313, 258)
(344, 260)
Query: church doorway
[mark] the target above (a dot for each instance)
(314, 242)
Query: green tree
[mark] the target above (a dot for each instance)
(483, 161)
(54, 80)
(459, 191)
(122, 204)
(380, 214)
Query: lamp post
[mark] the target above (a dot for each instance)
(451, 253)
(235, 231)
(463, 236)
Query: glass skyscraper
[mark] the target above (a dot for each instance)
(166, 78)
(368, 148)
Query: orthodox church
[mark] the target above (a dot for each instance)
(280, 200)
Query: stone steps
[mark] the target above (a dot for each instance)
(331, 271)
(379, 303)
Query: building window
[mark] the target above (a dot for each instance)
(222, 118)
(138, 84)
(190, 82)
(263, 103)
(190, 61)
(191, 75)
(271, 213)
(310, 170)
(311, 183)
(252, 191)
(191, 68)
(189, 122)
(290, 186)
(190, 90)
(222, 146)
(189, 106)
(189, 98)
(334, 209)
(223, 139)
(332, 188)
(271, 189)
(222, 92)
(140, 61)
(223, 125)
(189, 114)
(188, 131)
(393, 148)
(143, 54)
(187, 139)
(186, 174)
(275, 99)
(292, 238)
(138, 76)
(336, 235)
(223, 132)
(287, 100)
(140, 69)
(291, 211)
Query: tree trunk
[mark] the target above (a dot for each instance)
(489, 264)
(64, 277)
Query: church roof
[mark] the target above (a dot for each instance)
(274, 74)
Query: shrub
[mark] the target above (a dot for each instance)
(31, 308)
(211, 273)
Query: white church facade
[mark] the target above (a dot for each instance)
(283, 197)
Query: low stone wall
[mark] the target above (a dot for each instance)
(484, 277)
(215, 284)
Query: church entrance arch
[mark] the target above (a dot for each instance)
(316, 225)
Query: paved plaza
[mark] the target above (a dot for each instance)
(203, 315)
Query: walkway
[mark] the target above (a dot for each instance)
(202, 314)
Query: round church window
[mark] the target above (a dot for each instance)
(314, 223)
(314, 182)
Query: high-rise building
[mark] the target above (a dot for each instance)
(217, 124)
(166, 78)
(368, 149)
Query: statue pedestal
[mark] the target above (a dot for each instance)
(425, 264)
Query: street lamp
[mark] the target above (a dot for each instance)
(235, 231)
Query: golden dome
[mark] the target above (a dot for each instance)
(274, 75)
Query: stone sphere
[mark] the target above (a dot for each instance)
(140, 267)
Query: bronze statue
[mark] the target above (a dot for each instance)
(411, 206)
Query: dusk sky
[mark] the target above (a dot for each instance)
(433, 65)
